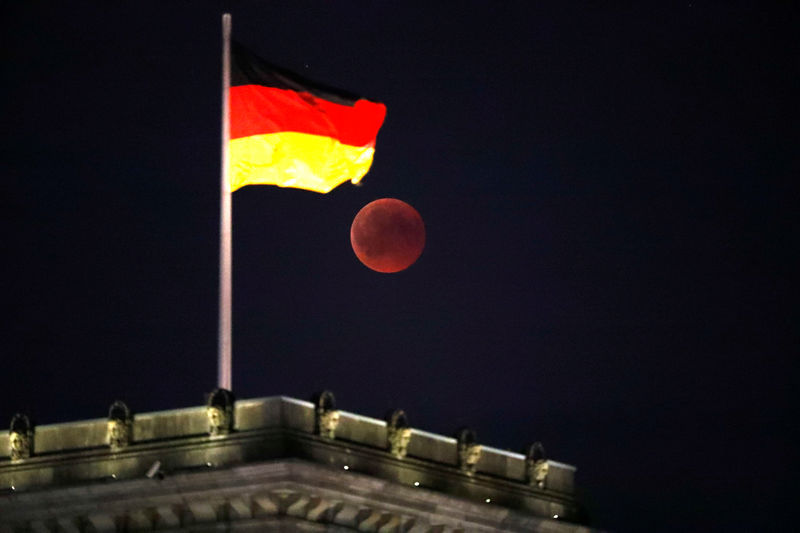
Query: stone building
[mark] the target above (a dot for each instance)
(272, 464)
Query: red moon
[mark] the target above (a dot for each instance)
(387, 235)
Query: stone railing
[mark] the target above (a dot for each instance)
(123, 433)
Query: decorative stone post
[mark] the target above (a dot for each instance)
(327, 416)
(398, 434)
(220, 409)
(469, 451)
(20, 438)
(119, 429)
(536, 466)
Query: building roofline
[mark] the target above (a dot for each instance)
(279, 427)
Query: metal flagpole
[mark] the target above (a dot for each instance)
(225, 224)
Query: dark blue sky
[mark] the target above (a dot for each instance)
(607, 204)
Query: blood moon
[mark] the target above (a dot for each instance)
(387, 235)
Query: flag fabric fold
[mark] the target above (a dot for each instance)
(290, 132)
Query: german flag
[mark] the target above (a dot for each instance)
(291, 132)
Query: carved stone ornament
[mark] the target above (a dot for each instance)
(327, 416)
(20, 438)
(119, 429)
(469, 451)
(536, 466)
(398, 434)
(219, 410)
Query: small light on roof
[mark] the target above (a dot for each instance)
(416, 483)
(555, 516)
(346, 467)
(488, 500)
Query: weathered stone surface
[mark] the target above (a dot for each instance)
(102, 522)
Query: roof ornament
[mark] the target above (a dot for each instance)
(398, 433)
(219, 409)
(20, 437)
(119, 428)
(327, 416)
(536, 466)
(469, 451)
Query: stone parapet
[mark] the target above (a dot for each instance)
(180, 442)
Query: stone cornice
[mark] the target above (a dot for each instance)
(293, 491)
(86, 456)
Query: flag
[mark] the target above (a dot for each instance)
(290, 132)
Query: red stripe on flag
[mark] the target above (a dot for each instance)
(256, 110)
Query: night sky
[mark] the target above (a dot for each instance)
(606, 197)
